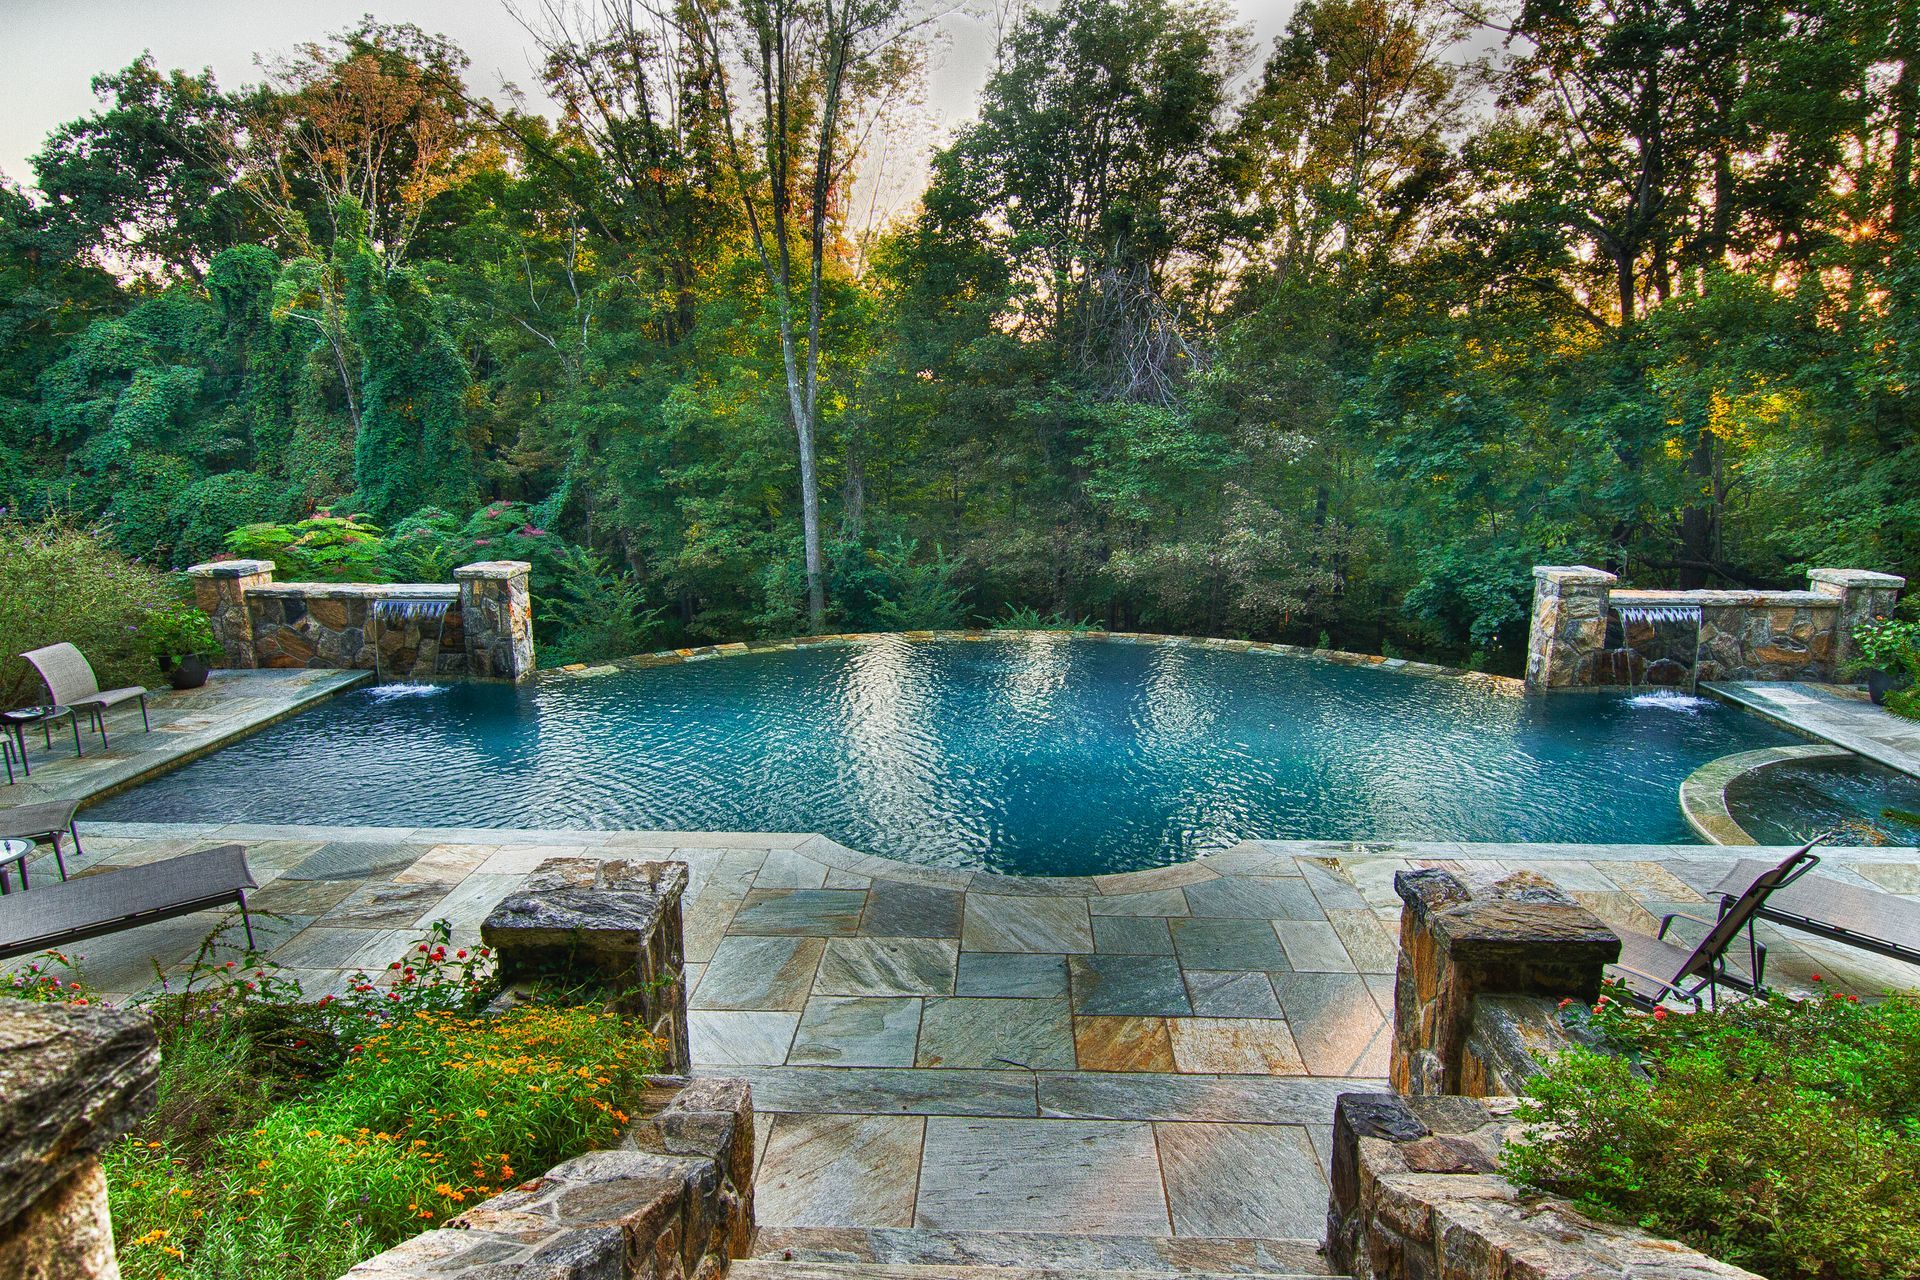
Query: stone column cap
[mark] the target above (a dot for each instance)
(1855, 578)
(73, 1079)
(494, 569)
(230, 568)
(1574, 575)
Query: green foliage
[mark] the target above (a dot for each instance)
(1782, 1136)
(1022, 618)
(1347, 350)
(291, 1139)
(65, 582)
(174, 631)
(321, 548)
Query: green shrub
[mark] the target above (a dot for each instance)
(1781, 1136)
(292, 1139)
(322, 548)
(60, 581)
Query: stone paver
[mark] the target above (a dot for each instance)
(186, 723)
(896, 1025)
(1834, 713)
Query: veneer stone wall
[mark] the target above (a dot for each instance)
(1415, 1190)
(485, 631)
(1577, 638)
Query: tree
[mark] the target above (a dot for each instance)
(788, 80)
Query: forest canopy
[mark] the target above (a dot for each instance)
(1338, 336)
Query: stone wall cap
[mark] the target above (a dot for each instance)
(494, 569)
(1577, 574)
(1856, 578)
(358, 590)
(72, 1080)
(1719, 599)
(230, 568)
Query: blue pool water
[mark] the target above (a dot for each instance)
(1044, 756)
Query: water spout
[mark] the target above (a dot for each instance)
(406, 609)
(1655, 615)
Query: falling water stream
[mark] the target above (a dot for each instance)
(407, 608)
(1654, 615)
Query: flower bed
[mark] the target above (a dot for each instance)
(1781, 1136)
(294, 1138)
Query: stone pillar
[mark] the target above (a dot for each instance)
(1863, 594)
(1516, 936)
(1569, 626)
(496, 610)
(220, 589)
(72, 1082)
(615, 923)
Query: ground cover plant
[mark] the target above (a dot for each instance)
(293, 1138)
(1782, 1136)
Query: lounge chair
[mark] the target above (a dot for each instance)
(124, 898)
(1883, 923)
(43, 823)
(71, 684)
(1654, 969)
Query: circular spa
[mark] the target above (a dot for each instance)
(1858, 801)
(1044, 754)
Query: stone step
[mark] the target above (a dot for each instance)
(780, 1269)
(902, 1253)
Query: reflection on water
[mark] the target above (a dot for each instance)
(1049, 756)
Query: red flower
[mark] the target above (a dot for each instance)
(1660, 1014)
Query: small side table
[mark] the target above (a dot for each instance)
(18, 720)
(14, 853)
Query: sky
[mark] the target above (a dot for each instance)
(50, 49)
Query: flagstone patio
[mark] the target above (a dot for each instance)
(1149, 1054)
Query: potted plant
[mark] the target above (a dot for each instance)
(1888, 659)
(181, 640)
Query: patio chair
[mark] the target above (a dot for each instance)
(71, 684)
(108, 901)
(1883, 923)
(43, 824)
(1653, 969)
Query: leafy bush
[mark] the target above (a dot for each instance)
(1027, 618)
(173, 631)
(1782, 1136)
(322, 548)
(59, 581)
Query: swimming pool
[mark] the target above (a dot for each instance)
(1040, 755)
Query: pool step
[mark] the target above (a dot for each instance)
(900, 1253)
(780, 1269)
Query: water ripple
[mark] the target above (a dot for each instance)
(1047, 756)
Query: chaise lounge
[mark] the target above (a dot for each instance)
(1653, 970)
(125, 898)
(1883, 923)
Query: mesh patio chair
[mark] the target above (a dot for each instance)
(125, 898)
(44, 823)
(1872, 920)
(72, 685)
(1654, 969)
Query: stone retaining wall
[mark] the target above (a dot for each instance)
(614, 922)
(73, 1081)
(1579, 640)
(1415, 1190)
(1415, 1197)
(674, 1202)
(486, 631)
(1459, 941)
